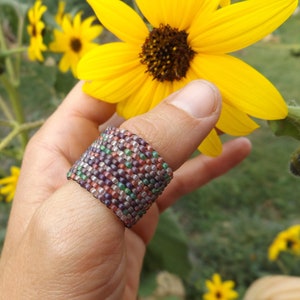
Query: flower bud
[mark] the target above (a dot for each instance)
(295, 163)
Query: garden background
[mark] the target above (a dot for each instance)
(227, 226)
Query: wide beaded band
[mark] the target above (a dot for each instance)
(124, 172)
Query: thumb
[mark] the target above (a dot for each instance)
(177, 126)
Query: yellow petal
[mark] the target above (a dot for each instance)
(229, 284)
(88, 31)
(86, 47)
(116, 89)
(217, 279)
(161, 92)
(7, 189)
(65, 63)
(66, 24)
(60, 43)
(139, 102)
(108, 62)
(243, 87)
(150, 94)
(15, 171)
(10, 197)
(7, 180)
(239, 25)
(201, 20)
(176, 13)
(121, 20)
(35, 13)
(77, 22)
(212, 145)
(74, 58)
(235, 122)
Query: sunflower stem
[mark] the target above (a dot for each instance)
(9, 68)
(19, 42)
(7, 123)
(18, 130)
(10, 52)
(6, 110)
(282, 267)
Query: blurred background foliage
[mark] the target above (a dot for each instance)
(224, 227)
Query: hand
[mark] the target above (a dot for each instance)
(61, 242)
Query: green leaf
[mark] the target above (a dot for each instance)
(168, 250)
(147, 284)
(37, 89)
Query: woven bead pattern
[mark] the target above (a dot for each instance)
(124, 172)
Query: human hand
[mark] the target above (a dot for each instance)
(61, 242)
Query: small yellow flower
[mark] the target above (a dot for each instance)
(74, 40)
(286, 241)
(61, 12)
(8, 184)
(186, 40)
(35, 31)
(219, 290)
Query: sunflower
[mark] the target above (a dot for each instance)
(286, 241)
(35, 30)
(74, 40)
(8, 184)
(186, 40)
(218, 290)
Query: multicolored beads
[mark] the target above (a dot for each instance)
(124, 172)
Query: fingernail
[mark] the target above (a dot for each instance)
(199, 98)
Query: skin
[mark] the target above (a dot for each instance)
(61, 242)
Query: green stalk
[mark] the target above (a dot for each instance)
(19, 41)
(19, 129)
(8, 62)
(12, 51)
(6, 123)
(16, 105)
(6, 111)
(282, 267)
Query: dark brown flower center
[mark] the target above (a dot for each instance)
(290, 243)
(166, 53)
(34, 31)
(76, 44)
(218, 295)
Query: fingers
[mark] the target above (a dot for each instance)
(200, 170)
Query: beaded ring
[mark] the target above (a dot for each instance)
(122, 171)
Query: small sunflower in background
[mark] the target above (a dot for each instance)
(220, 290)
(74, 40)
(286, 241)
(35, 30)
(8, 184)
